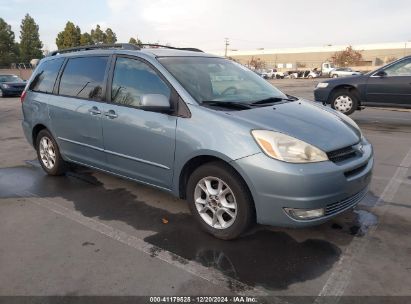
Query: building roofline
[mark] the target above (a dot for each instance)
(321, 49)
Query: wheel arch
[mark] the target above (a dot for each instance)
(348, 87)
(36, 130)
(196, 162)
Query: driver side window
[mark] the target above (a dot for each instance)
(402, 68)
(132, 79)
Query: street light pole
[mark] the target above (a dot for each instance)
(405, 47)
(227, 43)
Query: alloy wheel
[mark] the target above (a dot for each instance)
(215, 202)
(47, 153)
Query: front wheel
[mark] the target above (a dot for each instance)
(335, 76)
(49, 155)
(344, 101)
(220, 200)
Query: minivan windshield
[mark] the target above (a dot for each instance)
(218, 80)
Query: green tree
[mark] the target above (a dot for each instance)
(7, 45)
(110, 36)
(97, 35)
(135, 41)
(69, 37)
(30, 44)
(85, 39)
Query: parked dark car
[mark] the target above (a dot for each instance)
(389, 86)
(11, 85)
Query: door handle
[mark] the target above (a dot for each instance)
(94, 111)
(110, 114)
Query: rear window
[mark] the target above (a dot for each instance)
(84, 77)
(46, 75)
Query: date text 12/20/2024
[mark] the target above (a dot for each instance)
(204, 299)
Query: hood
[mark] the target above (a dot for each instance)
(14, 84)
(347, 79)
(308, 121)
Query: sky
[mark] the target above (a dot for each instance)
(249, 24)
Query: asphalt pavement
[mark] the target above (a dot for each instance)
(90, 233)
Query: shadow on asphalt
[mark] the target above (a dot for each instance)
(272, 259)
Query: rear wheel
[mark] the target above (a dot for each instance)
(344, 101)
(1, 93)
(49, 155)
(220, 201)
(335, 76)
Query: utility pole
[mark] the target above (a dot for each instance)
(227, 43)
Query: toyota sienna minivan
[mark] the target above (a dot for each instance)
(201, 127)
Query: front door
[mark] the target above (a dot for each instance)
(139, 144)
(393, 87)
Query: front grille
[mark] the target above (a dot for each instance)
(341, 154)
(345, 203)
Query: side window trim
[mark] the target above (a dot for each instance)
(174, 97)
(55, 81)
(388, 66)
(56, 88)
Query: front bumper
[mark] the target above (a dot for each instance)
(12, 91)
(322, 94)
(276, 185)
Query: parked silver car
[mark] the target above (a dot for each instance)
(201, 127)
(343, 72)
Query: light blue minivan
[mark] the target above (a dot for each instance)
(202, 127)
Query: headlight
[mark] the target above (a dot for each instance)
(287, 148)
(6, 86)
(322, 85)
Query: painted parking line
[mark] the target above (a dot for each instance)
(338, 280)
(209, 274)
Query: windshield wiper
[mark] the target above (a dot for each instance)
(271, 100)
(226, 104)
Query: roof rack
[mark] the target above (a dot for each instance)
(125, 46)
(154, 45)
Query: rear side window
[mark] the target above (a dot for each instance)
(84, 77)
(46, 75)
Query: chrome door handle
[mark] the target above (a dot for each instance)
(94, 111)
(110, 114)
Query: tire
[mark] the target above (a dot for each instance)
(310, 77)
(237, 201)
(46, 147)
(335, 76)
(344, 101)
(1, 94)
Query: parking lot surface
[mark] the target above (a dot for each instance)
(89, 233)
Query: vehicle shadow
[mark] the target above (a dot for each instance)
(271, 259)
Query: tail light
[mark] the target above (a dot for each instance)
(23, 95)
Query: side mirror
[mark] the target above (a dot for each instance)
(381, 73)
(155, 103)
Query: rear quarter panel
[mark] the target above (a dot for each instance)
(35, 112)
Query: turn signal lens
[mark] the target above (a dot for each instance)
(304, 214)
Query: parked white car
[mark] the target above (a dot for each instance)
(272, 73)
(343, 72)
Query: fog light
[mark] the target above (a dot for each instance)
(304, 214)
